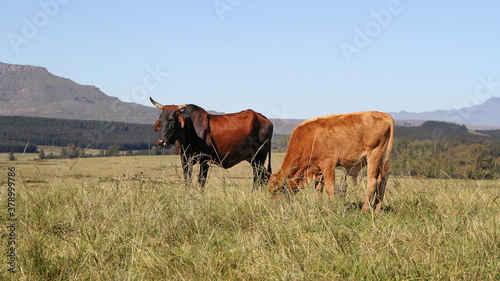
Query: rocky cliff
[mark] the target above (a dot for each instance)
(27, 90)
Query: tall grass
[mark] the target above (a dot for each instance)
(131, 229)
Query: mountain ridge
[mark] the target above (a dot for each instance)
(486, 114)
(27, 90)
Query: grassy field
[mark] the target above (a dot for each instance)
(134, 218)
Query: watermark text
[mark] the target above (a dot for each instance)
(11, 220)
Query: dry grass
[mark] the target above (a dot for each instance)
(102, 219)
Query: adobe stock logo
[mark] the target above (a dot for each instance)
(31, 27)
(224, 6)
(363, 37)
(150, 82)
(483, 91)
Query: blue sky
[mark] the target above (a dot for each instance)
(285, 59)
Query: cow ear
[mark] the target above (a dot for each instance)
(181, 120)
(202, 128)
(158, 126)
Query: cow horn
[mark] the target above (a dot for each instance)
(181, 107)
(155, 103)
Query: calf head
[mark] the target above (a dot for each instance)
(277, 185)
(169, 123)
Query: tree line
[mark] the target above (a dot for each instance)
(17, 131)
(461, 158)
(440, 149)
(17, 146)
(72, 151)
(455, 159)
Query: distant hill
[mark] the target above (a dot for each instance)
(486, 115)
(285, 126)
(27, 90)
(441, 131)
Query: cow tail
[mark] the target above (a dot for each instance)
(269, 171)
(269, 162)
(385, 168)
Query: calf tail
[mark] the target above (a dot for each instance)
(385, 168)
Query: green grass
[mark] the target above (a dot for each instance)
(81, 221)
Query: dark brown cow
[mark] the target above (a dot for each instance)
(225, 139)
(351, 141)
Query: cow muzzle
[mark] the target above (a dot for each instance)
(161, 142)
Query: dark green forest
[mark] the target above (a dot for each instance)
(438, 149)
(453, 159)
(17, 131)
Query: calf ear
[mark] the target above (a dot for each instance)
(158, 126)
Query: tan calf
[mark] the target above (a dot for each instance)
(352, 141)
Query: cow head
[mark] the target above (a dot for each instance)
(191, 121)
(169, 123)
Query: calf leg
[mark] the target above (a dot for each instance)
(381, 182)
(295, 181)
(341, 190)
(374, 181)
(370, 190)
(319, 184)
(328, 178)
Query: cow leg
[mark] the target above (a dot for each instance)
(202, 177)
(186, 162)
(187, 168)
(260, 175)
